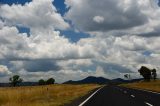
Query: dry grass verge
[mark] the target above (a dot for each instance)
(152, 85)
(49, 95)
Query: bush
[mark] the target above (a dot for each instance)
(50, 81)
(145, 72)
(41, 82)
(47, 82)
(15, 80)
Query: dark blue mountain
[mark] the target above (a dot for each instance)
(101, 80)
(20, 84)
(89, 80)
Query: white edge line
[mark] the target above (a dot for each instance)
(148, 104)
(89, 97)
(132, 96)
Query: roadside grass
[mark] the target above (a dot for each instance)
(152, 85)
(47, 95)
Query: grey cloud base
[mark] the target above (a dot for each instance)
(116, 14)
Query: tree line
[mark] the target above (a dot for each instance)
(147, 73)
(16, 79)
(47, 82)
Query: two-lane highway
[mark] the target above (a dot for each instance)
(120, 96)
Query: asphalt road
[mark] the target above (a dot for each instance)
(119, 96)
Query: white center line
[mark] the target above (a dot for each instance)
(132, 96)
(148, 104)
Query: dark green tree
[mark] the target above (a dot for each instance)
(15, 80)
(145, 72)
(127, 76)
(154, 74)
(50, 81)
(41, 82)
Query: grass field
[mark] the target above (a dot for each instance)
(152, 85)
(49, 95)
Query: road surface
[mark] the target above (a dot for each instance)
(120, 96)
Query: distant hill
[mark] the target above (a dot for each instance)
(89, 80)
(119, 80)
(4, 84)
(100, 80)
(28, 84)
(21, 84)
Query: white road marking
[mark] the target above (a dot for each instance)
(132, 96)
(148, 104)
(125, 91)
(145, 90)
(149, 91)
(90, 97)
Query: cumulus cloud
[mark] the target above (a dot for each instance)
(54, 53)
(44, 47)
(51, 45)
(4, 70)
(45, 53)
(124, 54)
(37, 15)
(98, 19)
(119, 17)
(118, 14)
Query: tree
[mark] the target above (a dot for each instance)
(145, 72)
(41, 82)
(50, 81)
(154, 74)
(127, 76)
(15, 80)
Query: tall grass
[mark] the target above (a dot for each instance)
(49, 95)
(152, 85)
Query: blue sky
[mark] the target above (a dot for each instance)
(10, 2)
(71, 34)
(90, 38)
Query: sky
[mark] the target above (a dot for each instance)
(73, 39)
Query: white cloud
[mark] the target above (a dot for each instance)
(121, 16)
(41, 46)
(4, 70)
(98, 19)
(100, 72)
(37, 15)
(101, 55)
(118, 14)
(124, 53)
